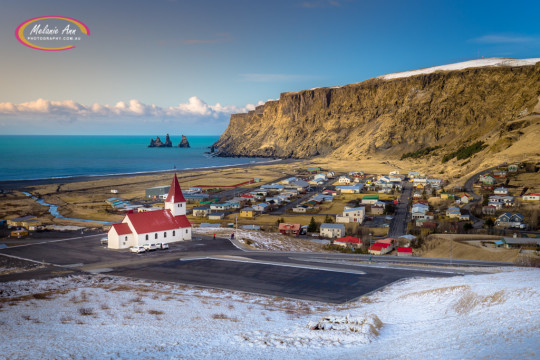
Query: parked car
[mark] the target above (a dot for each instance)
(150, 247)
(162, 246)
(137, 249)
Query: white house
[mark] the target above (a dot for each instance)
(344, 180)
(332, 230)
(352, 215)
(531, 197)
(500, 191)
(165, 226)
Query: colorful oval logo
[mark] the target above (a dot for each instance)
(51, 33)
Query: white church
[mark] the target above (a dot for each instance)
(160, 226)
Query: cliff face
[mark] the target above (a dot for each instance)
(448, 109)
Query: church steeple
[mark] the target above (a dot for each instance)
(175, 199)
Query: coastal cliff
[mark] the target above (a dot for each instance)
(446, 109)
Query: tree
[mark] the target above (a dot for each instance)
(389, 209)
(312, 227)
(467, 227)
(328, 219)
(279, 221)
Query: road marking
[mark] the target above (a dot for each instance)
(271, 263)
(21, 258)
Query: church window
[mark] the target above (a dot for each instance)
(165, 234)
(155, 236)
(146, 236)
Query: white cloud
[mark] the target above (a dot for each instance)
(503, 39)
(195, 107)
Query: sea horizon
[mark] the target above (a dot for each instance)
(42, 157)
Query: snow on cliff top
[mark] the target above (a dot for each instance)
(463, 65)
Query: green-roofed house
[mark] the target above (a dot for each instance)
(370, 199)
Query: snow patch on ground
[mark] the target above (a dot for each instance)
(463, 65)
(491, 316)
(263, 240)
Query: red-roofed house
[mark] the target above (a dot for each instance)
(164, 226)
(348, 241)
(289, 229)
(404, 251)
(380, 248)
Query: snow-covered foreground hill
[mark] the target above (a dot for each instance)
(492, 316)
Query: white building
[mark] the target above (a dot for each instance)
(165, 226)
(352, 215)
(332, 230)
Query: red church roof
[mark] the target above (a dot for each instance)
(122, 229)
(349, 239)
(175, 193)
(160, 220)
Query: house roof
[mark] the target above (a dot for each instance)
(160, 220)
(122, 228)
(385, 241)
(404, 250)
(349, 239)
(370, 197)
(377, 247)
(333, 226)
(175, 193)
(288, 226)
(248, 209)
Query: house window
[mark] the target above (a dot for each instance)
(155, 236)
(186, 231)
(173, 233)
(146, 236)
(125, 238)
(165, 234)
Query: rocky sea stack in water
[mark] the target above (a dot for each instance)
(184, 143)
(158, 143)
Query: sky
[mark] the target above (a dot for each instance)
(182, 67)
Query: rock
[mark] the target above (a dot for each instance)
(158, 143)
(184, 143)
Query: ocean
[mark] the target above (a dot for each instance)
(45, 157)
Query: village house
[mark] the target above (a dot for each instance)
(289, 229)
(531, 197)
(404, 251)
(352, 215)
(377, 208)
(262, 207)
(512, 168)
(350, 189)
(500, 191)
(370, 199)
(508, 220)
(453, 212)
(165, 226)
(247, 212)
(489, 210)
(349, 241)
(445, 195)
(499, 173)
(216, 216)
(332, 230)
(300, 209)
(344, 180)
(464, 199)
(157, 192)
(201, 211)
(379, 249)
(322, 177)
(220, 207)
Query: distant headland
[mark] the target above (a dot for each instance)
(184, 143)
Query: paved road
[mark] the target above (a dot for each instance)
(398, 226)
(469, 188)
(329, 277)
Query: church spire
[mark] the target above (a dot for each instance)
(175, 193)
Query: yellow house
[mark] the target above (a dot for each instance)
(247, 212)
(419, 186)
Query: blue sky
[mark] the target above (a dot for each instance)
(152, 67)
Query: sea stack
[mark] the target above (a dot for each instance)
(184, 143)
(159, 143)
